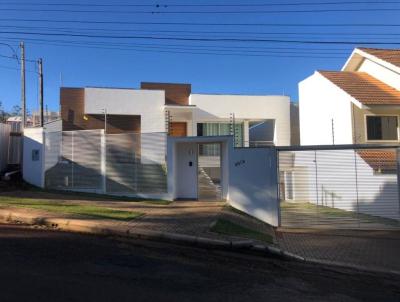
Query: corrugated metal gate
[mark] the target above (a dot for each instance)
(346, 187)
(90, 160)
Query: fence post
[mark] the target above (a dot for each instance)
(316, 181)
(398, 176)
(72, 159)
(356, 174)
(278, 186)
(103, 160)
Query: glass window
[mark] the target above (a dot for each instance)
(261, 133)
(215, 129)
(382, 128)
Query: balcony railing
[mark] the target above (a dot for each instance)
(259, 144)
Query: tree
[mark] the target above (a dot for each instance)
(3, 114)
(16, 110)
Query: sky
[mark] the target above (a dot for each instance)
(237, 47)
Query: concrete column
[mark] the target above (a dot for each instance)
(246, 136)
(194, 124)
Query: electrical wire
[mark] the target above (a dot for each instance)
(195, 51)
(198, 5)
(337, 10)
(82, 30)
(101, 43)
(202, 23)
(198, 39)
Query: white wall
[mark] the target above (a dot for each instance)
(320, 101)
(381, 73)
(52, 143)
(53, 126)
(149, 104)
(33, 171)
(253, 183)
(216, 107)
(4, 140)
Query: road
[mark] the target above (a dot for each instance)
(45, 265)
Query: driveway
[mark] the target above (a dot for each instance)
(378, 250)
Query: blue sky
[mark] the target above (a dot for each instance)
(241, 67)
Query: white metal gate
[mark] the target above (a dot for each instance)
(339, 187)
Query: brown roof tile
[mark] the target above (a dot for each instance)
(380, 160)
(391, 56)
(363, 87)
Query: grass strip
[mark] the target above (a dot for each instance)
(226, 227)
(67, 208)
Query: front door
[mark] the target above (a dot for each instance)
(178, 129)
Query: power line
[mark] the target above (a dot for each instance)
(279, 48)
(198, 39)
(15, 68)
(80, 30)
(8, 67)
(157, 5)
(337, 10)
(204, 24)
(194, 51)
(12, 49)
(7, 57)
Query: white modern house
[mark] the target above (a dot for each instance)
(163, 141)
(356, 105)
(161, 107)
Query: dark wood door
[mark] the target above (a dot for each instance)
(178, 129)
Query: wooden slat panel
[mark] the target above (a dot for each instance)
(178, 129)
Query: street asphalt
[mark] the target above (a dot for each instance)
(44, 265)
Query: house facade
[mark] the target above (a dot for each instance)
(358, 105)
(173, 108)
(163, 142)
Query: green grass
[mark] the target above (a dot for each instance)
(227, 227)
(329, 212)
(67, 208)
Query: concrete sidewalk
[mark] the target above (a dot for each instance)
(182, 220)
(191, 218)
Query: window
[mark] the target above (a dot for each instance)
(35, 154)
(261, 133)
(382, 128)
(215, 129)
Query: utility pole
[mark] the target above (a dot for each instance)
(23, 97)
(40, 63)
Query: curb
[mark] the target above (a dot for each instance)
(84, 226)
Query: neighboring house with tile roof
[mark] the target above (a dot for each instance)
(359, 104)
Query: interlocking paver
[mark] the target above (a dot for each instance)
(372, 249)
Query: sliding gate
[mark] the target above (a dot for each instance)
(346, 187)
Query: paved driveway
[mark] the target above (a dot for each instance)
(379, 250)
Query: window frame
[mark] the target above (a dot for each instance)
(380, 140)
